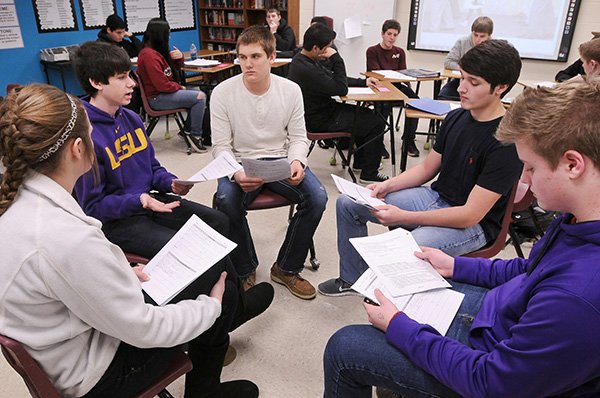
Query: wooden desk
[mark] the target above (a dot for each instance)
(451, 74)
(210, 75)
(392, 96)
(437, 81)
(536, 83)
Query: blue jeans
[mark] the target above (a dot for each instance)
(351, 370)
(183, 99)
(310, 197)
(352, 223)
(450, 90)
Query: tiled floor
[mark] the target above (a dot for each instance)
(282, 350)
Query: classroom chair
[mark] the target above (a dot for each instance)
(155, 115)
(335, 136)
(40, 386)
(268, 199)
(493, 248)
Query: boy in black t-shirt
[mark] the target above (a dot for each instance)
(462, 210)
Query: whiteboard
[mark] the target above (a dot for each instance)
(352, 17)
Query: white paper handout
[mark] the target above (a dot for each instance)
(357, 193)
(268, 170)
(224, 164)
(202, 62)
(361, 91)
(436, 308)
(391, 257)
(392, 74)
(194, 249)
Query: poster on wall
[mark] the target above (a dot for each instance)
(139, 12)
(95, 12)
(54, 15)
(10, 30)
(180, 14)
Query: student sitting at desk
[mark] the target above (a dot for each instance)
(575, 69)
(319, 83)
(463, 209)
(526, 327)
(481, 30)
(387, 56)
(259, 115)
(115, 32)
(284, 34)
(158, 71)
(69, 296)
(589, 53)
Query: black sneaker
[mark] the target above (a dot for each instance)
(357, 167)
(336, 288)
(197, 141)
(412, 149)
(368, 179)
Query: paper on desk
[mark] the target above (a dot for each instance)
(360, 91)
(357, 193)
(392, 74)
(454, 105)
(283, 60)
(223, 165)
(134, 60)
(436, 308)
(268, 170)
(391, 257)
(456, 73)
(202, 62)
(194, 249)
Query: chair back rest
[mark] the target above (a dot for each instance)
(145, 102)
(37, 381)
(493, 248)
(523, 198)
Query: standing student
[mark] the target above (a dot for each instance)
(576, 68)
(284, 34)
(158, 68)
(259, 115)
(115, 32)
(481, 30)
(68, 294)
(526, 327)
(387, 56)
(320, 81)
(462, 210)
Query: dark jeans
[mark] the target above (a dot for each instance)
(146, 234)
(368, 128)
(450, 90)
(351, 370)
(134, 369)
(310, 197)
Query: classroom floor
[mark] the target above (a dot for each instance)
(281, 351)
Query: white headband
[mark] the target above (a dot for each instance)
(65, 135)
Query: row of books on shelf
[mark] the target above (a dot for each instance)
(219, 47)
(215, 17)
(224, 34)
(224, 3)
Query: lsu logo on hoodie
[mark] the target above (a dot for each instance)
(126, 146)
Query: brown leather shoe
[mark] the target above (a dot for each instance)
(249, 281)
(229, 355)
(296, 284)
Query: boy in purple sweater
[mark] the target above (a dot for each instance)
(527, 327)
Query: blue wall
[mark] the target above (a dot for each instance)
(22, 65)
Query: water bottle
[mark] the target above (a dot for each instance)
(193, 52)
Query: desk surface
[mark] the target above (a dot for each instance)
(212, 69)
(393, 94)
(206, 53)
(416, 79)
(449, 73)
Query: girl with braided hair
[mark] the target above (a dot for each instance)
(68, 294)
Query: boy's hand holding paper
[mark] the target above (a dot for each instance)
(357, 193)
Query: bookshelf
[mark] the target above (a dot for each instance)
(221, 21)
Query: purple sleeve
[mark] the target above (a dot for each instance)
(546, 353)
(487, 273)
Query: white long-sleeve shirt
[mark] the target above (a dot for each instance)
(69, 295)
(259, 126)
